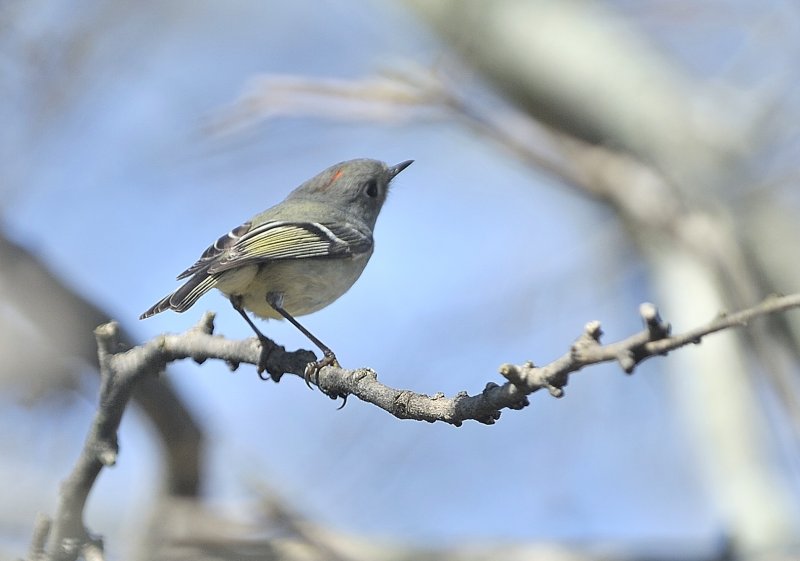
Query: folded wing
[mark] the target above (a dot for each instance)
(271, 241)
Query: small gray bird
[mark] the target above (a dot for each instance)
(296, 257)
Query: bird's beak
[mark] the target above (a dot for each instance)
(394, 170)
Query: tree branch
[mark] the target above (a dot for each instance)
(122, 370)
(65, 318)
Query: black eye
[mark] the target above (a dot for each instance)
(372, 188)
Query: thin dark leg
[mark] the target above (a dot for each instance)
(276, 301)
(266, 344)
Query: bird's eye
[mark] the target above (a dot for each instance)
(372, 188)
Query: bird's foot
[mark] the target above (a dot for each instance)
(267, 346)
(313, 368)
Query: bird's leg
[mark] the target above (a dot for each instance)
(266, 344)
(276, 301)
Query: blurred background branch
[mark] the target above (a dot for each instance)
(49, 333)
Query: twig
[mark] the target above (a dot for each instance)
(41, 529)
(121, 370)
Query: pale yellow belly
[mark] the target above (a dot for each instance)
(307, 285)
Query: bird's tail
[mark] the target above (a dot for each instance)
(183, 298)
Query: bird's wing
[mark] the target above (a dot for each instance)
(215, 250)
(280, 240)
(266, 242)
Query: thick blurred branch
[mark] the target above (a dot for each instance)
(277, 532)
(63, 318)
(123, 370)
(586, 71)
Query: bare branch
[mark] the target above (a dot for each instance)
(122, 370)
(41, 529)
(377, 98)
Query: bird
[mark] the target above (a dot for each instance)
(296, 257)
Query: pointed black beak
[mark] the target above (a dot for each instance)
(394, 170)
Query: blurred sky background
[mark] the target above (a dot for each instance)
(110, 174)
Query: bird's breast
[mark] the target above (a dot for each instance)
(307, 285)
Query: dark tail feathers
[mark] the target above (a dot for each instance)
(183, 298)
